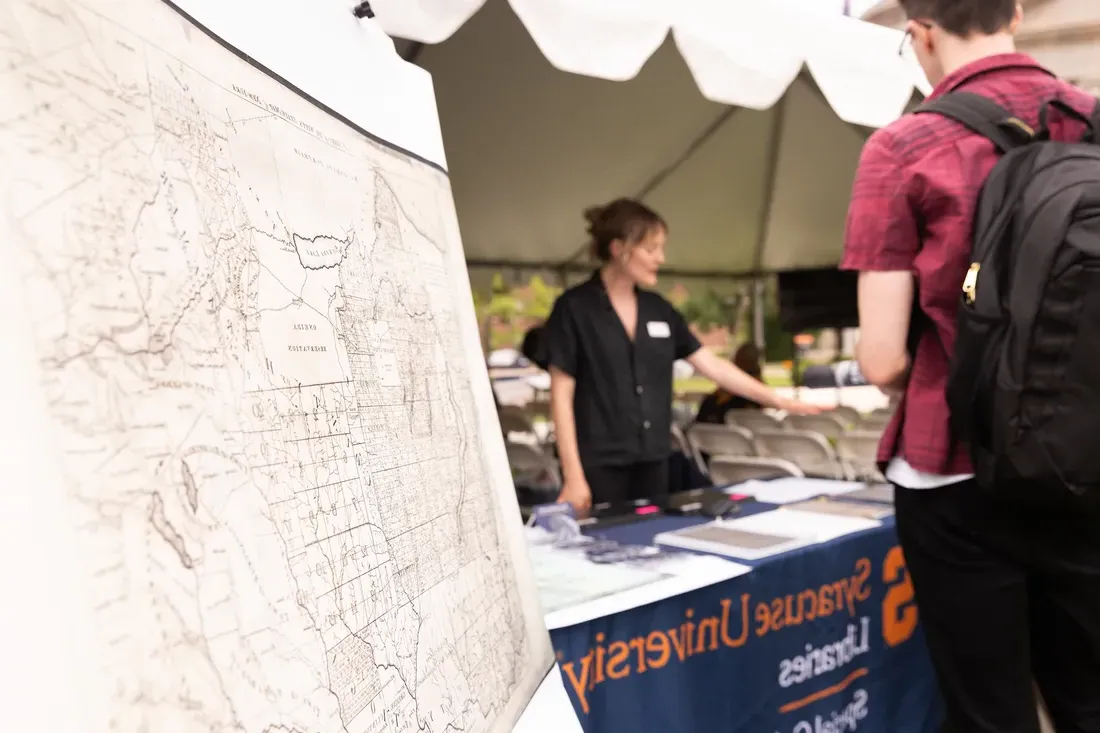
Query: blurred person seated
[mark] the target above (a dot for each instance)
(534, 347)
(715, 406)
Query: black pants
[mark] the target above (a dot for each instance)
(618, 484)
(1006, 595)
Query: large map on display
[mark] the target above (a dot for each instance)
(254, 334)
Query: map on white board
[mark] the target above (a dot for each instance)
(256, 342)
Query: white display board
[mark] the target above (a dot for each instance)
(253, 474)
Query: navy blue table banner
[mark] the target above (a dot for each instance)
(823, 640)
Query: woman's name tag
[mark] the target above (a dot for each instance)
(658, 330)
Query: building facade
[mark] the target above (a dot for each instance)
(1063, 35)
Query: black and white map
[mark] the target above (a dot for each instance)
(254, 333)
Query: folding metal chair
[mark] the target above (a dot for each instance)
(532, 465)
(728, 470)
(828, 425)
(876, 422)
(752, 420)
(721, 440)
(809, 451)
(847, 414)
(517, 426)
(858, 452)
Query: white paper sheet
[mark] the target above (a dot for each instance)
(550, 710)
(792, 490)
(815, 527)
(566, 579)
(575, 590)
(696, 571)
(838, 507)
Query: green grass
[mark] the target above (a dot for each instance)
(702, 384)
(692, 384)
(779, 380)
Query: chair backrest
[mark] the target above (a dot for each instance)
(682, 415)
(858, 451)
(513, 420)
(681, 443)
(727, 470)
(722, 440)
(536, 410)
(692, 398)
(752, 420)
(828, 425)
(876, 422)
(847, 414)
(530, 464)
(809, 451)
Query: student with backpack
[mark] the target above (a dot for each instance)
(975, 226)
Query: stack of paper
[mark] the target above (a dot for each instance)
(840, 508)
(574, 590)
(793, 490)
(879, 493)
(763, 535)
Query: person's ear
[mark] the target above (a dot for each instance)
(618, 250)
(1017, 18)
(922, 35)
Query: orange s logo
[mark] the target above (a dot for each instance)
(899, 612)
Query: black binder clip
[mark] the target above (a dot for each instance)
(363, 10)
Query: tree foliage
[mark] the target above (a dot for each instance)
(542, 297)
(506, 313)
(706, 310)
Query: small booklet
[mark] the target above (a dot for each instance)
(838, 507)
(724, 538)
(878, 493)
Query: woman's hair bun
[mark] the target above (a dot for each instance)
(625, 220)
(594, 215)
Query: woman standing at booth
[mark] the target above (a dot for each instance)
(611, 345)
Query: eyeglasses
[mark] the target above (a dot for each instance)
(909, 34)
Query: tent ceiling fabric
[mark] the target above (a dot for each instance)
(529, 148)
(743, 53)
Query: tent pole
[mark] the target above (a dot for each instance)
(770, 178)
(758, 295)
(796, 368)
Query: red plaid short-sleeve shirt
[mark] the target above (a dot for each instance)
(913, 205)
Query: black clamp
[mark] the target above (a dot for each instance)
(363, 10)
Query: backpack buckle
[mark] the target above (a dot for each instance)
(970, 283)
(1020, 132)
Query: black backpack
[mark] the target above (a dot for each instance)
(1024, 385)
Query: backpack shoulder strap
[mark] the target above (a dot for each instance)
(1093, 135)
(982, 116)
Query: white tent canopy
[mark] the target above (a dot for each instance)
(756, 181)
